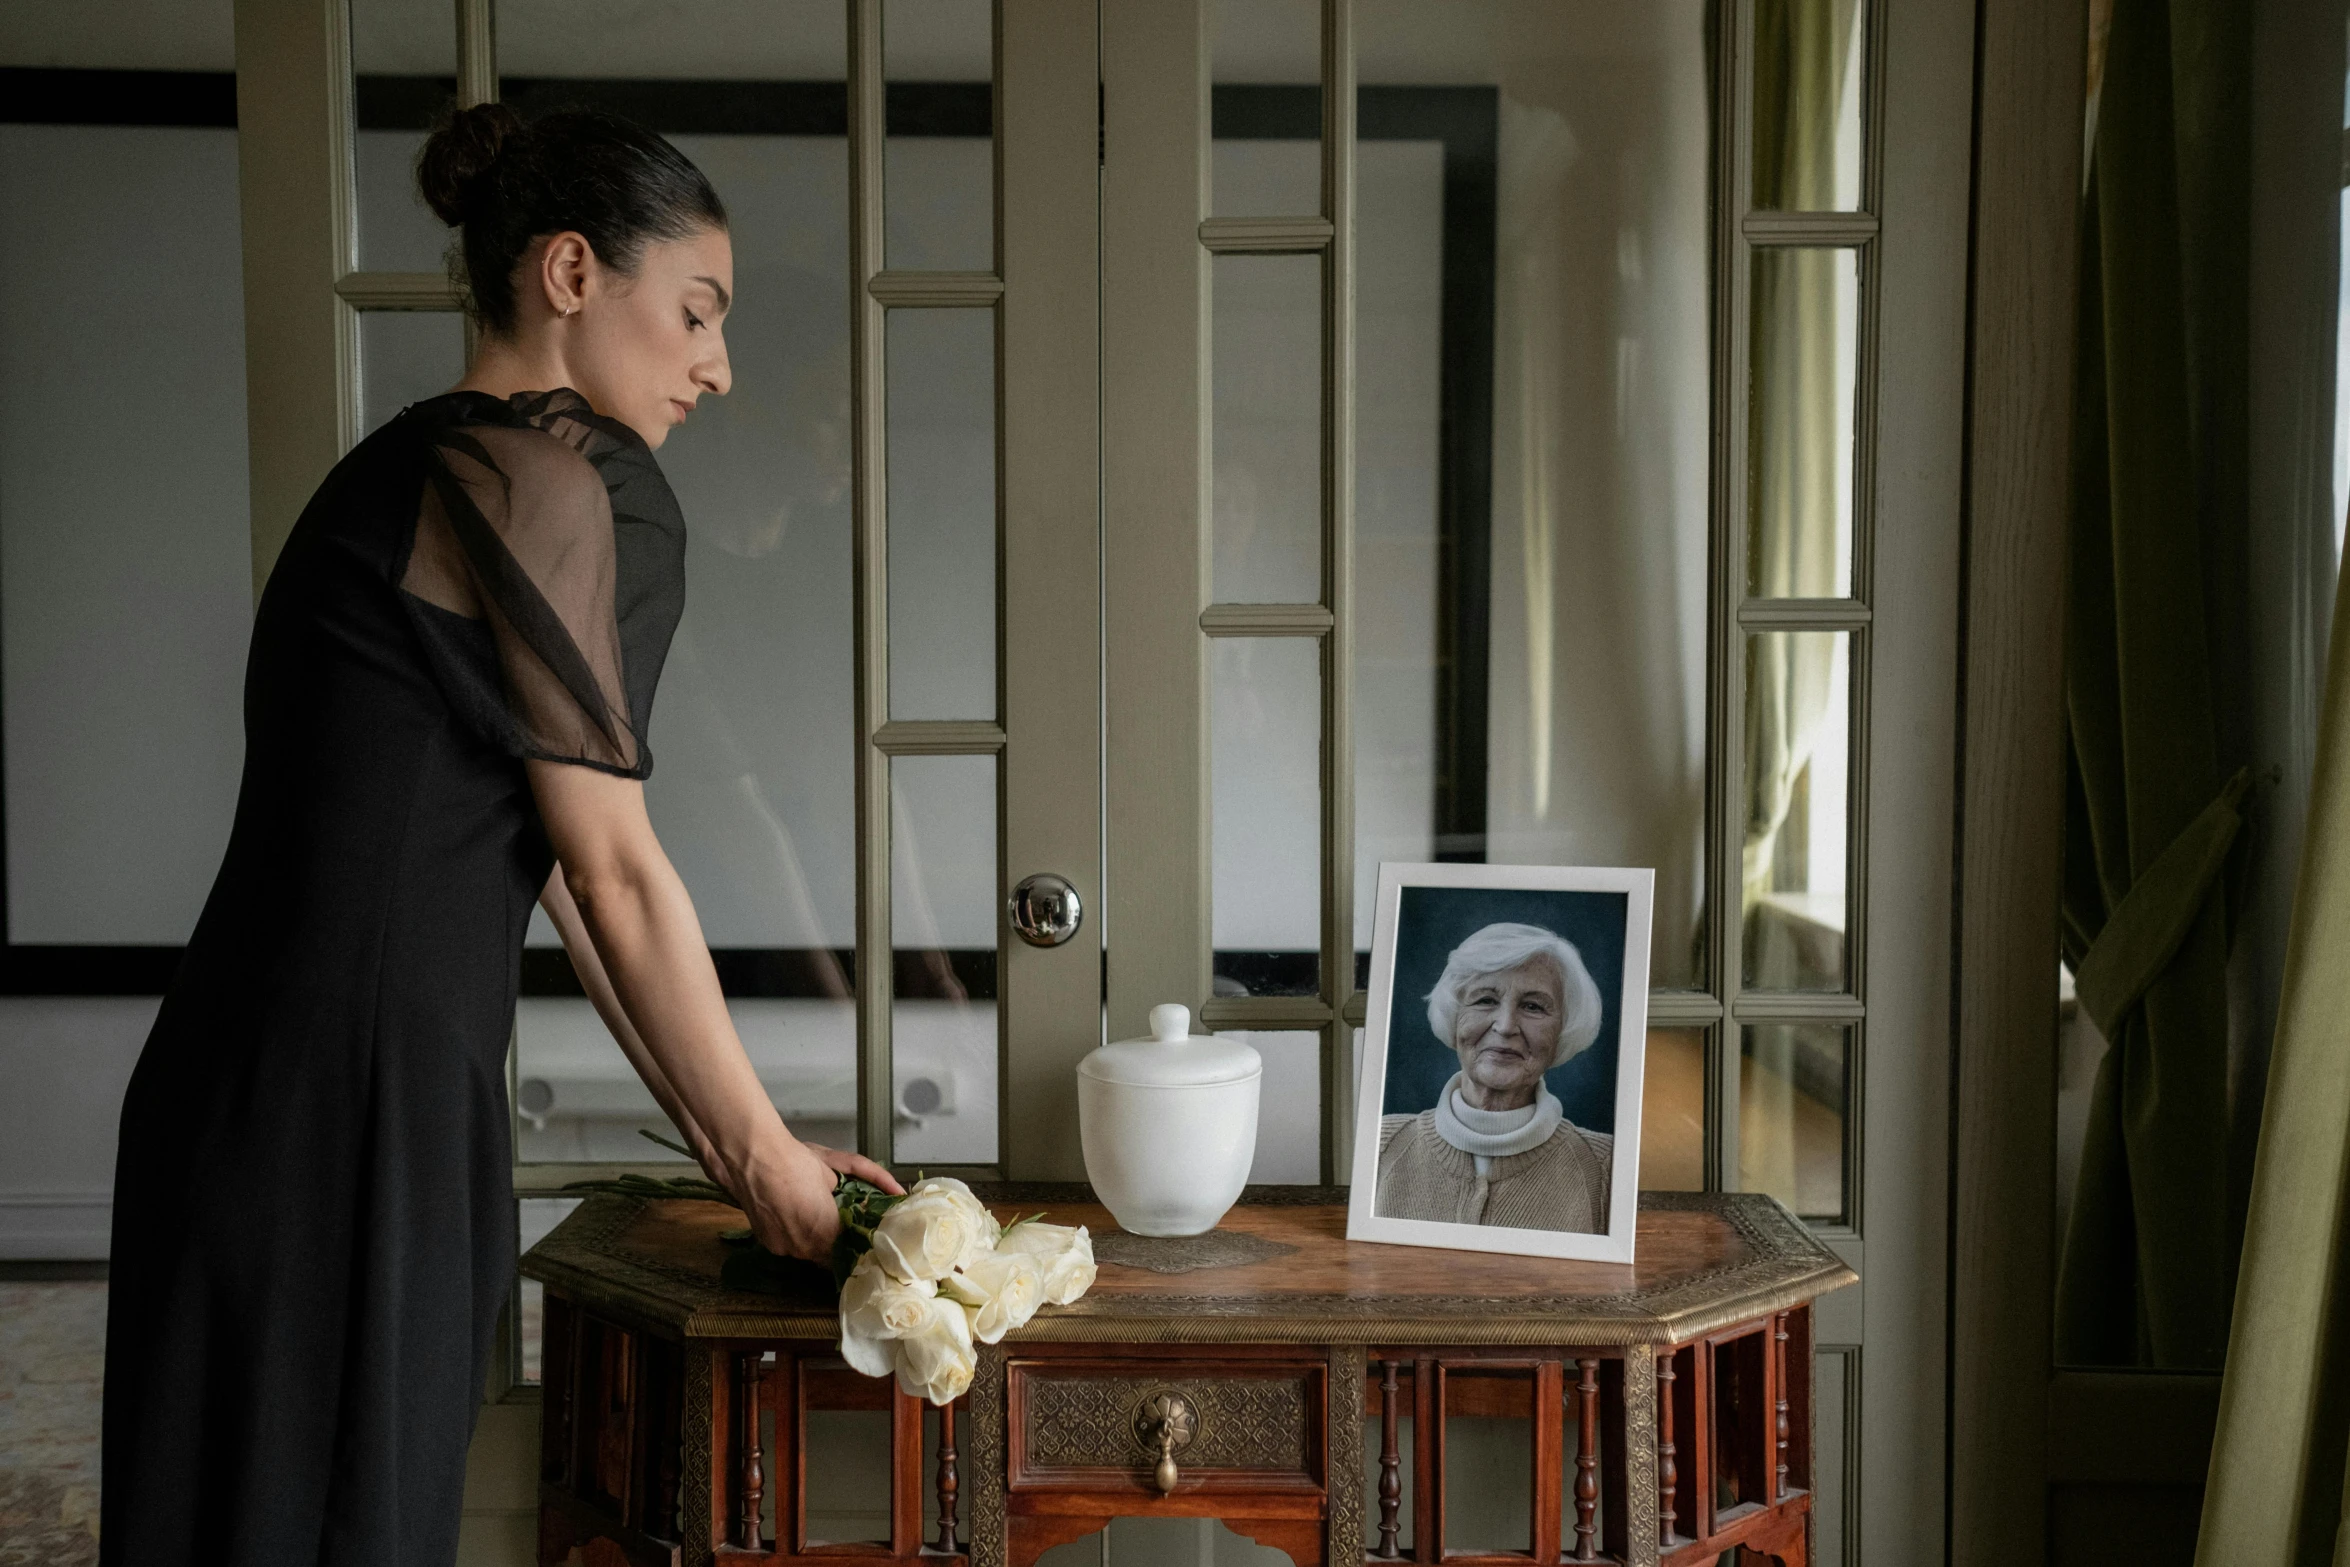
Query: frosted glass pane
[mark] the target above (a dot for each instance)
(406, 356)
(1533, 462)
(1266, 56)
(1808, 65)
(938, 159)
(752, 734)
(578, 1099)
(126, 557)
(1265, 750)
(1260, 176)
(1794, 1089)
(1289, 1107)
(944, 914)
(753, 43)
(404, 56)
(1796, 807)
(397, 231)
(1267, 459)
(942, 513)
(1672, 1111)
(1800, 424)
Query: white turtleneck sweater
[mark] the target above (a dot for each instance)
(1487, 1135)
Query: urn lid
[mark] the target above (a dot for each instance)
(1173, 1056)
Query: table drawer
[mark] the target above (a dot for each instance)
(1075, 1420)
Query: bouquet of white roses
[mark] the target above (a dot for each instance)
(928, 1275)
(923, 1277)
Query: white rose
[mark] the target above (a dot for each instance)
(936, 1360)
(965, 1202)
(1064, 1254)
(875, 1308)
(1003, 1290)
(933, 1230)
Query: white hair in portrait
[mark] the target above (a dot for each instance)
(1505, 946)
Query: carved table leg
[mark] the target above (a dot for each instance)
(1668, 1476)
(947, 1479)
(1390, 1464)
(1342, 1539)
(1586, 1459)
(748, 1526)
(1779, 1386)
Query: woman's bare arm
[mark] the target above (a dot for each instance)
(638, 917)
(581, 947)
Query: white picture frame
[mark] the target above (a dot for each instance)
(1423, 918)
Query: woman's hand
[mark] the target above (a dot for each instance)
(789, 1201)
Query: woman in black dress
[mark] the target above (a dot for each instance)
(446, 700)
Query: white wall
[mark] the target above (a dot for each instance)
(64, 1063)
(125, 583)
(125, 590)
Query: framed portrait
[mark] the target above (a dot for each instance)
(1499, 1102)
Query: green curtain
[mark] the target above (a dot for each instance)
(2148, 1257)
(2276, 1480)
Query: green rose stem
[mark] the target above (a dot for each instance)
(749, 1265)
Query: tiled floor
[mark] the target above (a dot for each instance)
(52, 1351)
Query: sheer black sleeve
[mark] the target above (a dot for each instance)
(552, 528)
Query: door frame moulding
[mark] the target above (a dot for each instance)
(2022, 289)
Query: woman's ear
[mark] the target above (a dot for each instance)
(564, 269)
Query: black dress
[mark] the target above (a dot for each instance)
(313, 1209)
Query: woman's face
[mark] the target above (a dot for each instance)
(644, 349)
(1505, 1031)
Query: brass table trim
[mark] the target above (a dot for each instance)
(989, 1459)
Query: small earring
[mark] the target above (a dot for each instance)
(568, 309)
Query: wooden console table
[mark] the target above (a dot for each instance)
(1678, 1389)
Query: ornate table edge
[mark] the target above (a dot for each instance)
(1788, 1265)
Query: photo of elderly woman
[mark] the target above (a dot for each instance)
(1514, 1003)
(1499, 1109)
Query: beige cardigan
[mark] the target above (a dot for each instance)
(1561, 1185)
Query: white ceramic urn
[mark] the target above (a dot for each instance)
(1169, 1125)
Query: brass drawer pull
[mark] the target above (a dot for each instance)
(1164, 1422)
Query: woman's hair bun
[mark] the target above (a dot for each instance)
(459, 154)
(503, 184)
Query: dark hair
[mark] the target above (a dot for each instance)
(503, 182)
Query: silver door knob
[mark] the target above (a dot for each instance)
(1046, 910)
